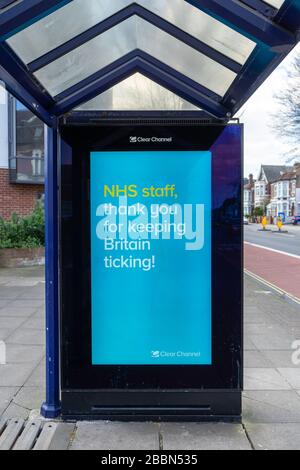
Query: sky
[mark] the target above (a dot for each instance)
(262, 146)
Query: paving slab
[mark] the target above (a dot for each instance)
(10, 293)
(204, 436)
(256, 359)
(37, 378)
(276, 436)
(281, 359)
(11, 322)
(6, 396)
(5, 333)
(15, 375)
(13, 411)
(292, 376)
(271, 407)
(116, 436)
(34, 293)
(23, 336)
(12, 310)
(265, 379)
(30, 397)
(35, 324)
(254, 314)
(249, 345)
(20, 354)
(270, 341)
(63, 436)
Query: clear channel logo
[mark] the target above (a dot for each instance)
(155, 140)
(162, 354)
(155, 354)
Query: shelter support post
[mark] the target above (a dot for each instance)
(51, 408)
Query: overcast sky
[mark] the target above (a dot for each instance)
(261, 145)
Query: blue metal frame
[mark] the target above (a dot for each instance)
(274, 32)
(261, 7)
(25, 13)
(51, 408)
(20, 91)
(246, 21)
(6, 3)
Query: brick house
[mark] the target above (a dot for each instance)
(262, 188)
(21, 158)
(285, 193)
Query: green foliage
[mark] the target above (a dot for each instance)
(258, 212)
(23, 232)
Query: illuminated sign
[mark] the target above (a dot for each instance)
(151, 258)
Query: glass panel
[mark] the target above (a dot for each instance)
(123, 38)
(80, 15)
(137, 93)
(29, 146)
(183, 58)
(89, 58)
(275, 3)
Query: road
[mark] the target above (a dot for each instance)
(286, 242)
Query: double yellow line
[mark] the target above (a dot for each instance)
(273, 287)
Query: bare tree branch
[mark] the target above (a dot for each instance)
(286, 122)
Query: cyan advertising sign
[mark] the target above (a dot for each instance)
(151, 258)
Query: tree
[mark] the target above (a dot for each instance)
(258, 212)
(286, 121)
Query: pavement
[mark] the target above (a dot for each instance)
(271, 404)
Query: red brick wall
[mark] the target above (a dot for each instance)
(18, 198)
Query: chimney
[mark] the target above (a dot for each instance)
(251, 179)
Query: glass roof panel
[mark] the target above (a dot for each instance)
(137, 93)
(275, 3)
(131, 34)
(80, 15)
(89, 58)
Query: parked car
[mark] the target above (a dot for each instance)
(296, 219)
(246, 221)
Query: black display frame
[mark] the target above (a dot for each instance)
(140, 392)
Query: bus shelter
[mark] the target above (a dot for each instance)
(74, 61)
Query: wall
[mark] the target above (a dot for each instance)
(18, 198)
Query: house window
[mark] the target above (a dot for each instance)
(26, 145)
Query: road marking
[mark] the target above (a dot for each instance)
(272, 249)
(273, 287)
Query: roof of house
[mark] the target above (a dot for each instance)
(273, 172)
(289, 175)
